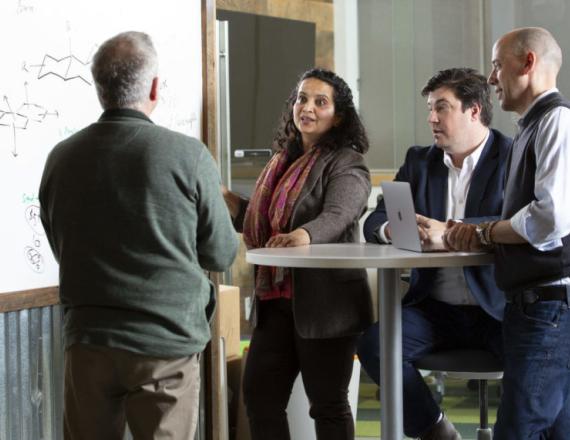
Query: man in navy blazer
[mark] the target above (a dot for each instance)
(459, 177)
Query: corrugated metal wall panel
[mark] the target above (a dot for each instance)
(31, 374)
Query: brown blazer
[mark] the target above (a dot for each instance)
(329, 303)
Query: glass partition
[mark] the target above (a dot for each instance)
(402, 43)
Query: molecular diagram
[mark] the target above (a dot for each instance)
(20, 118)
(67, 68)
(32, 253)
(24, 6)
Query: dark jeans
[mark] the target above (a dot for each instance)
(536, 384)
(426, 327)
(276, 356)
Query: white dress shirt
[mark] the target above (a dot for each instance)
(450, 285)
(544, 221)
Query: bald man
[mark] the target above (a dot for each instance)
(532, 240)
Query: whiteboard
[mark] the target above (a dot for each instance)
(47, 94)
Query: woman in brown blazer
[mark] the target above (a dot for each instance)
(313, 190)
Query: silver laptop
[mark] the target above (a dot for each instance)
(402, 217)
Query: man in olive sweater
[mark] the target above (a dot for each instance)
(134, 215)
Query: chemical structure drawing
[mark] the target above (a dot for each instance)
(24, 6)
(32, 214)
(20, 118)
(34, 259)
(32, 253)
(67, 68)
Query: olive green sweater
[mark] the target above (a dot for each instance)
(134, 215)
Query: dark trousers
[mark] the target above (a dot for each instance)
(536, 385)
(276, 356)
(427, 327)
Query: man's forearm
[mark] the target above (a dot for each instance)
(503, 233)
(471, 237)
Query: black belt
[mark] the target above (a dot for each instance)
(541, 293)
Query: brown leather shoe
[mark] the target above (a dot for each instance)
(442, 430)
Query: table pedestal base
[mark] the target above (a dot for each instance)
(391, 389)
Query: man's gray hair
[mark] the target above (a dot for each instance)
(123, 69)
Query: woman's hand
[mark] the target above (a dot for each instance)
(232, 201)
(298, 237)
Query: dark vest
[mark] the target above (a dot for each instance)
(521, 265)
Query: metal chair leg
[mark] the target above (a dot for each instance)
(484, 432)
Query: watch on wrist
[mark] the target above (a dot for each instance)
(483, 231)
(480, 231)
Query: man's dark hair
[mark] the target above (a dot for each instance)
(468, 85)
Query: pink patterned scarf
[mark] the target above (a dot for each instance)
(270, 207)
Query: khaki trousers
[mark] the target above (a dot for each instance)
(107, 388)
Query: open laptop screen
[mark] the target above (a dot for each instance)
(402, 217)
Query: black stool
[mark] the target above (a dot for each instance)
(480, 365)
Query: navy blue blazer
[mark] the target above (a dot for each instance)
(425, 171)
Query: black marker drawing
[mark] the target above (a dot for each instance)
(34, 259)
(20, 118)
(32, 253)
(67, 68)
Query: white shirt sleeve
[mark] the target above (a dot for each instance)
(382, 233)
(544, 221)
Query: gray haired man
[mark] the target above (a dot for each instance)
(134, 215)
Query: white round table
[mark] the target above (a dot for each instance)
(389, 261)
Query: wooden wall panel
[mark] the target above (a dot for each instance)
(319, 12)
(28, 299)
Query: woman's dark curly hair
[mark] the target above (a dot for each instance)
(349, 132)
